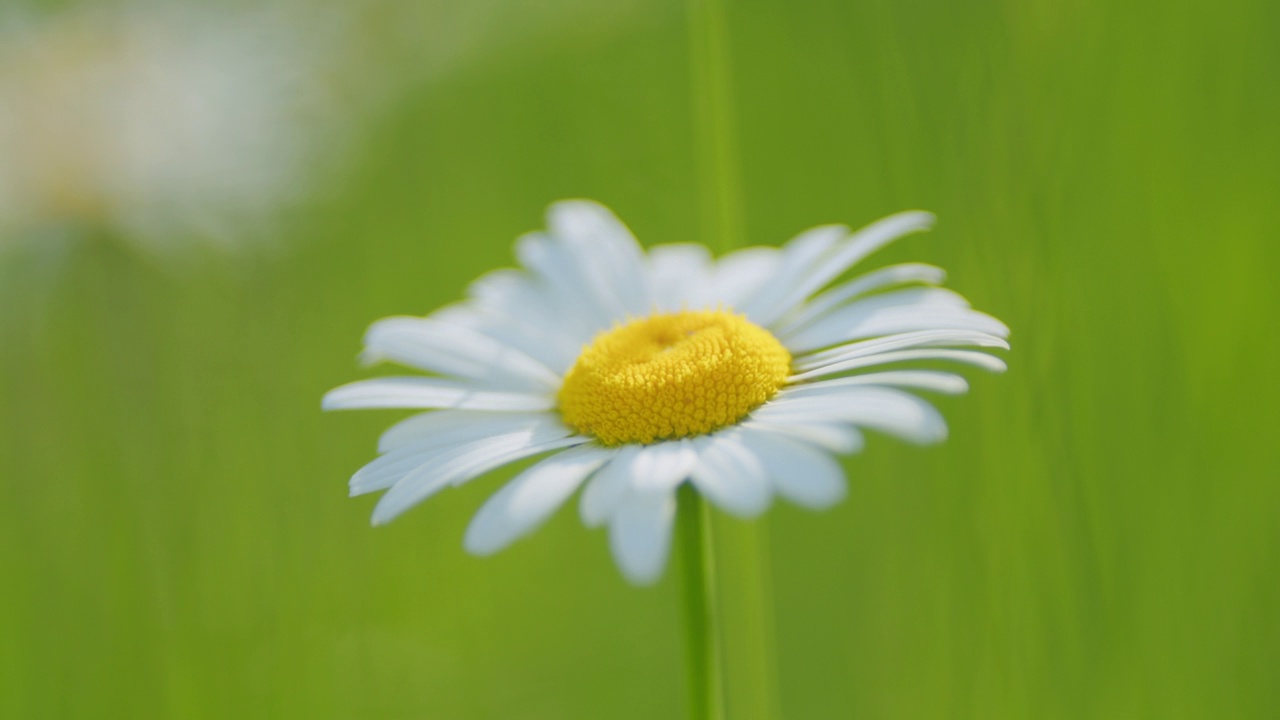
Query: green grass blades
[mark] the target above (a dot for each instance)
(1097, 539)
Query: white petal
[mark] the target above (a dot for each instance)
(556, 350)
(609, 256)
(384, 471)
(836, 437)
(530, 498)
(640, 535)
(425, 392)
(603, 494)
(729, 475)
(511, 292)
(678, 274)
(443, 428)
(453, 349)
(850, 252)
(833, 327)
(580, 304)
(738, 275)
(968, 357)
(802, 473)
(890, 411)
(662, 466)
(458, 466)
(408, 458)
(861, 285)
(867, 318)
(898, 341)
(801, 257)
(644, 469)
(516, 308)
(932, 380)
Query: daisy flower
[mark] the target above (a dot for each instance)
(632, 373)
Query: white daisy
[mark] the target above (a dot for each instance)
(635, 372)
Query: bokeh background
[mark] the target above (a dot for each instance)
(1098, 539)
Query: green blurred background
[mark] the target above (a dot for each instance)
(1098, 538)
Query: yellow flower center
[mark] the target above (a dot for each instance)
(672, 375)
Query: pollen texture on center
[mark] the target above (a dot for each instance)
(672, 375)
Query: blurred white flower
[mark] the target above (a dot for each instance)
(159, 123)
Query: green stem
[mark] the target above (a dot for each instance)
(714, 134)
(731, 641)
(746, 618)
(702, 624)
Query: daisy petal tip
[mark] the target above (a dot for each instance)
(384, 514)
(573, 214)
(923, 218)
(825, 501)
(344, 397)
(642, 576)
(576, 204)
(526, 240)
(598, 502)
(640, 538)
(758, 511)
(742, 506)
(488, 534)
(909, 221)
(481, 545)
(330, 401)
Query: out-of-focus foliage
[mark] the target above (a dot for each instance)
(1097, 539)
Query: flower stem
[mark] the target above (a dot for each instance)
(702, 624)
(718, 186)
(731, 642)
